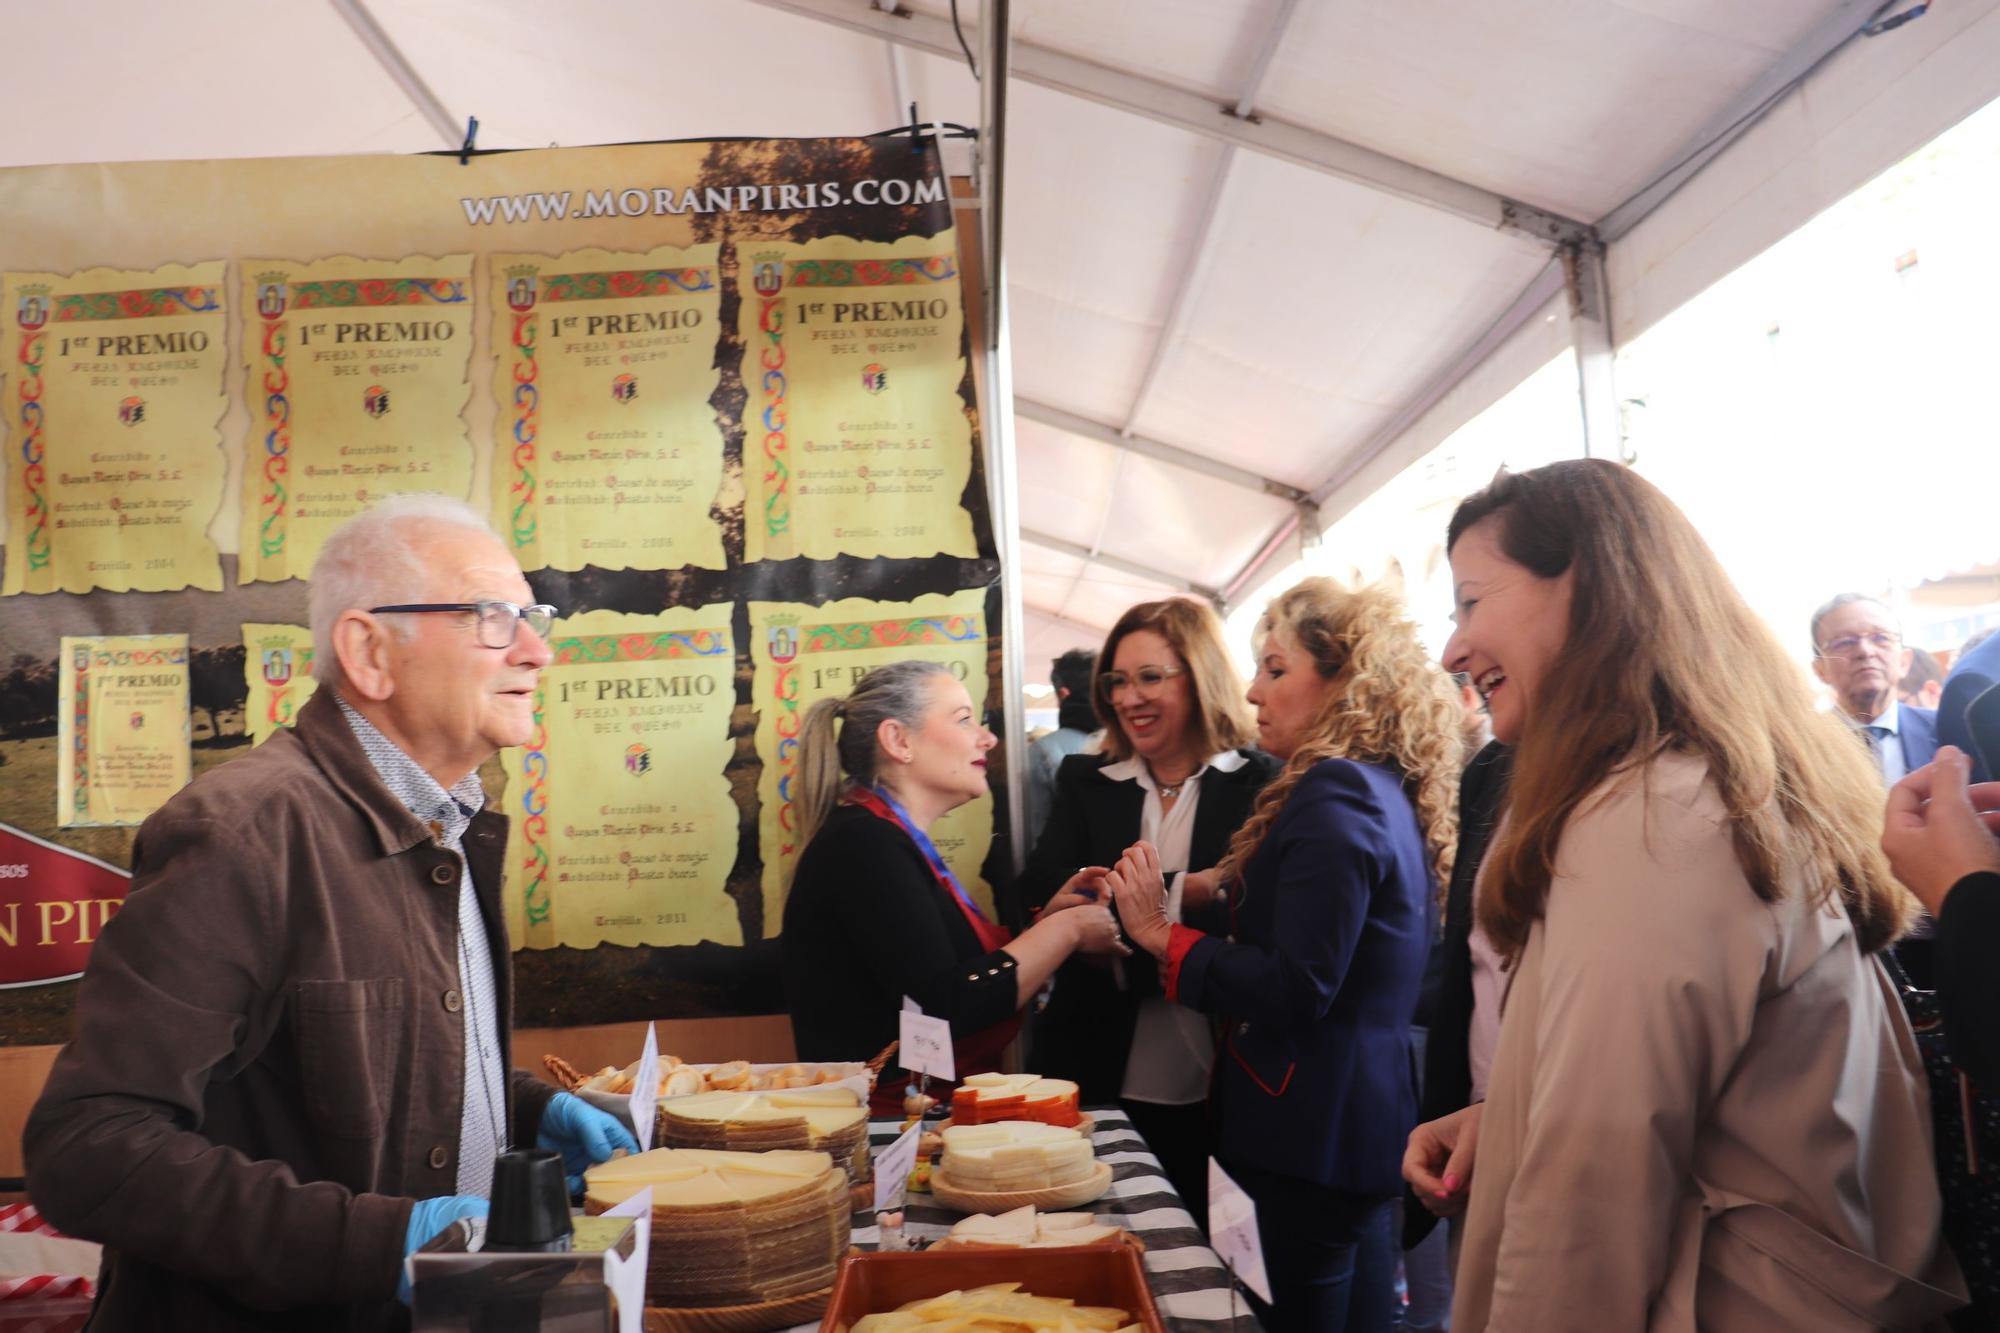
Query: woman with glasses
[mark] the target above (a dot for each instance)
(1329, 887)
(1177, 772)
(875, 915)
(1706, 1108)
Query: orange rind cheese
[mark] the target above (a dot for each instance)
(984, 1099)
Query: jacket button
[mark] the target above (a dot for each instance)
(439, 1157)
(451, 1001)
(1243, 1029)
(443, 874)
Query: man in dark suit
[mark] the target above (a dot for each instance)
(1975, 672)
(1858, 651)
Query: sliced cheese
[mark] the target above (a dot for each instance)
(1011, 1155)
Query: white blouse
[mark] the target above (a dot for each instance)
(1173, 1046)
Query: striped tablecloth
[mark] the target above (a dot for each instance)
(1189, 1283)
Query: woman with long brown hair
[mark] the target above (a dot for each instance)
(1175, 769)
(1329, 891)
(1705, 1109)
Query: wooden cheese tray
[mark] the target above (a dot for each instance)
(1088, 1190)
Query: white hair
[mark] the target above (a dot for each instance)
(373, 559)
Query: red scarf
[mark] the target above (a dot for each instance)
(979, 1052)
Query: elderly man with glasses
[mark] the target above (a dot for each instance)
(1858, 651)
(290, 1064)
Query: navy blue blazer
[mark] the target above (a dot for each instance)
(1917, 729)
(1318, 984)
(1971, 676)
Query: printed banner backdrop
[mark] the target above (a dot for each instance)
(359, 370)
(624, 827)
(864, 448)
(277, 673)
(808, 653)
(122, 746)
(576, 342)
(114, 462)
(611, 448)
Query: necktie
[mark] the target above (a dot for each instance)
(1877, 738)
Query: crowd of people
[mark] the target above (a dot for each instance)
(1629, 986)
(1648, 992)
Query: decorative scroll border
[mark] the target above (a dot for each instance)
(522, 525)
(340, 293)
(853, 634)
(272, 524)
(141, 303)
(280, 711)
(592, 648)
(34, 493)
(907, 271)
(844, 636)
(623, 283)
(81, 660)
(768, 283)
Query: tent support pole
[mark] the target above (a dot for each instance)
(1003, 482)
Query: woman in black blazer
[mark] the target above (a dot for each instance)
(874, 913)
(1176, 771)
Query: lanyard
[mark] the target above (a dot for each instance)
(928, 848)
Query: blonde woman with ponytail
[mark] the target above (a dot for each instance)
(1329, 887)
(874, 914)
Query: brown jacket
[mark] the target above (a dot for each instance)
(1707, 1111)
(267, 1065)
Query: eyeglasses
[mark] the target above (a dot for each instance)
(1146, 680)
(499, 622)
(1850, 645)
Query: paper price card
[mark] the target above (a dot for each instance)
(646, 1091)
(610, 452)
(1232, 1230)
(926, 1043)
(113, 405)
(893, 1165)
(122, 732)
(357, 390)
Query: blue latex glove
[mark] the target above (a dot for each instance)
(427, 1219)
(583, 1135)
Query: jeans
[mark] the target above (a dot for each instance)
(1330, 1255)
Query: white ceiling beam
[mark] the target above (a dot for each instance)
(1713, 139)
(1596, 357)
(1079, 551)
(1066, 620)
(398, 67)
(1160, 451)
(1336, 496)
(1155, 100)
(1548, 285)
(1195, 268)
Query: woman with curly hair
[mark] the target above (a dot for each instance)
(1329, 887)
(1706, 1109)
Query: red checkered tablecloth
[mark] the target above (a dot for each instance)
(39, 1302)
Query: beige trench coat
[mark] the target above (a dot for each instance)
(1707, 1111)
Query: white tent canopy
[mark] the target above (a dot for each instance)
(1261, 253)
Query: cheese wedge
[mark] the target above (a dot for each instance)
(732, 1228)
(1015, 1155)
(823, 1119)
(1024, 1228)
(984, 1098)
